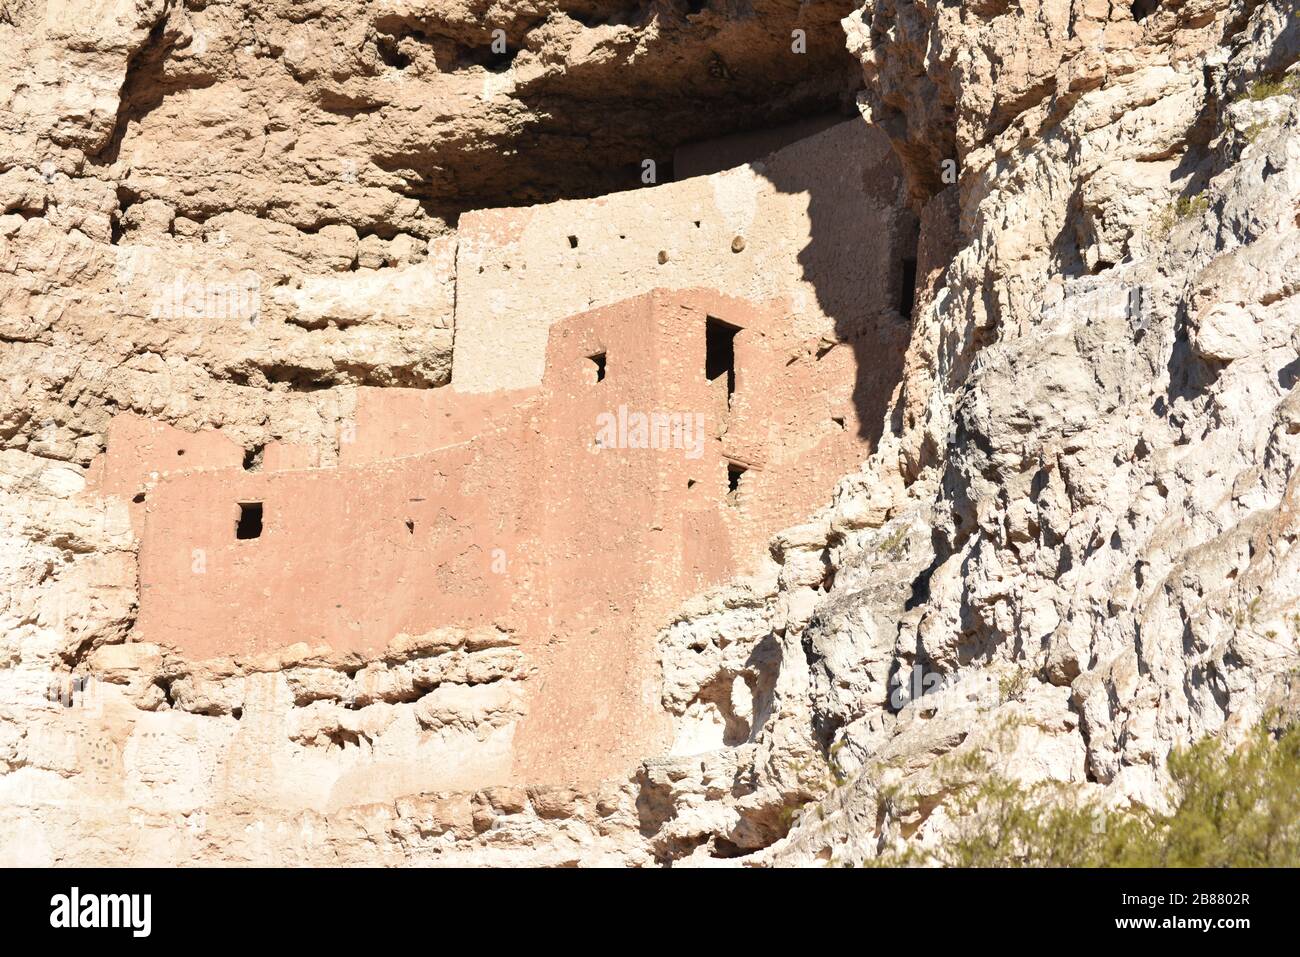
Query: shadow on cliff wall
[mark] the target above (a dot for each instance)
(861, 256)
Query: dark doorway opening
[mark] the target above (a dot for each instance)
(907, 292)
(720, 352)
(598, 361)
(250, 520)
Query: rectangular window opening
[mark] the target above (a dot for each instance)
(598, 363)
(250, 520)
(734, 472)
(720, 352)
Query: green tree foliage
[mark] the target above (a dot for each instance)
(1231, 809)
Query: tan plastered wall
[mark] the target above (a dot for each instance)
(817, 224)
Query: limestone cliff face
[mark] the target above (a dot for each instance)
(1092, 481)
(1072, 551)
(1069, 549)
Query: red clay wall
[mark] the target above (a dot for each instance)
(582, 551)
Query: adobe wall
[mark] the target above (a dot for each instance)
(821, 225)
(389, 423)
(139, 452)
(796, 412)
(346, 557)
(577, 550)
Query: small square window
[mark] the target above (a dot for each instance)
(250, 520)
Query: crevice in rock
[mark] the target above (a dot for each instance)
(144, 87)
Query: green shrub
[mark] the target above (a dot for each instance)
(1185, 207)
(1013, 684)
(1264, 89)
(1231, 809)
(1254, 131)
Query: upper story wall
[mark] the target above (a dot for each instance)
(819, 225)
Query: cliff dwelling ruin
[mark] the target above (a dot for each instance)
(578, 478)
